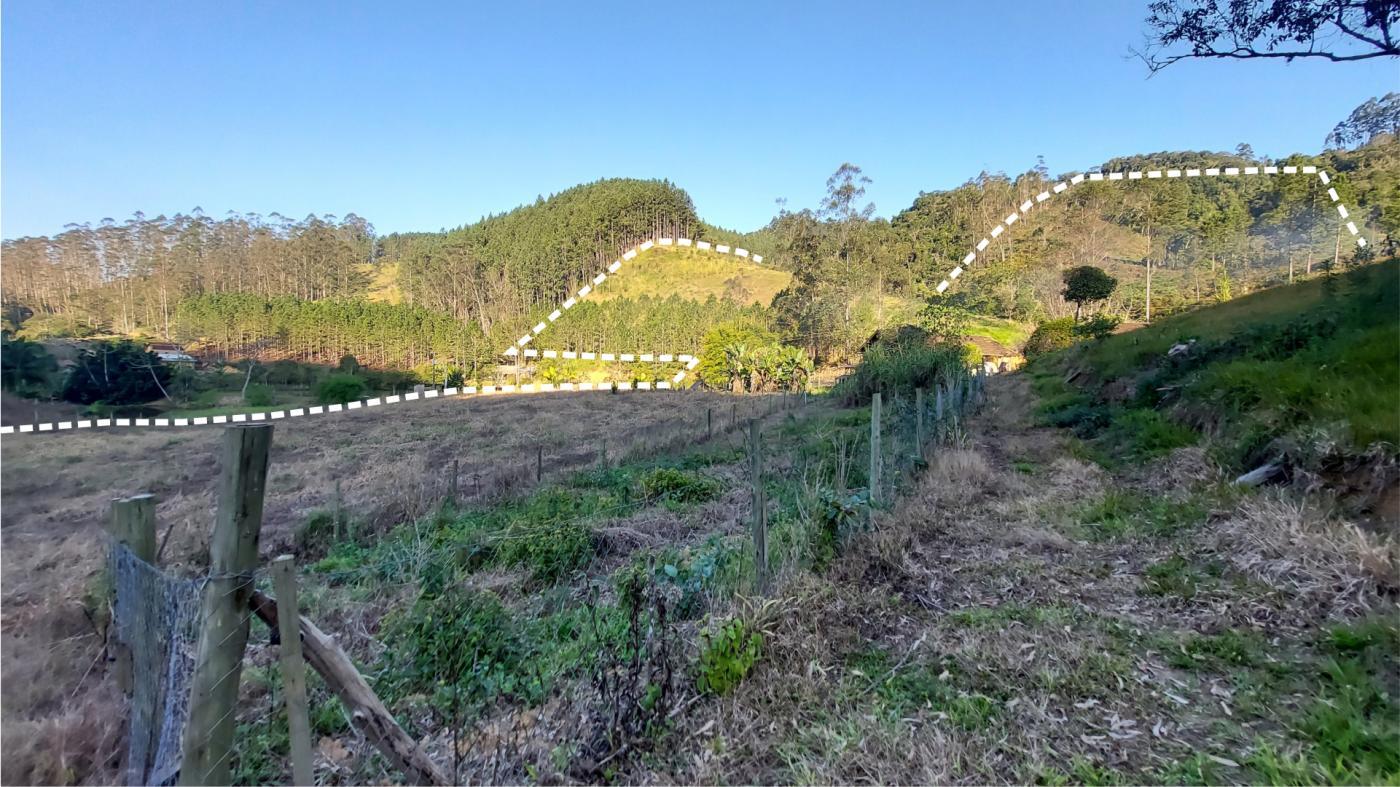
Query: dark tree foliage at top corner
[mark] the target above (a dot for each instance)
(1373, 118)
(1334, 30)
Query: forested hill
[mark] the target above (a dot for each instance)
(536, 254)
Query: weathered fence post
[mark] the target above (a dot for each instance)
(938, 411)
(709, 423)
(875, 448)
(919, 422)
(760, 514)
(456, 468)
(733, 416)
(337, 510)
(539, 463)
(133, 525)
(603, 455)
(284, 582)
(233, 556)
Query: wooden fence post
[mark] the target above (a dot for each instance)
(875, 448)
(539, 463)
(455, 471)
(133, 524)
(709, 423)
(337, 510)
(760, 514)
(233, 556)
(604, 454)
(284, 582)
(919, 421)
(938, 411)
(733, 416)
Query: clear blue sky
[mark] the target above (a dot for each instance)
(420, 116)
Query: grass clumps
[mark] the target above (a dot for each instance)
(1121, 514)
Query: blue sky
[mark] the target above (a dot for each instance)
(419, 116)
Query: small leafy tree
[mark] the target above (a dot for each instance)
(1087, 284)
(116, 373)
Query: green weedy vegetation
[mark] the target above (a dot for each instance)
(728, 651)
(900, 361)
(1296, 371)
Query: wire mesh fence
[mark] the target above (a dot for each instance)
(156, 617)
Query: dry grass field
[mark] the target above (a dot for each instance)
(393, 465)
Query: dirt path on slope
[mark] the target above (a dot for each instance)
(1025, 616)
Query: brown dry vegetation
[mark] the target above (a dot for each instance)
(989, 630)
(1020, 615)
(61, 721)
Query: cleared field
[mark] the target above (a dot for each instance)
(393, 465)
(694, 275)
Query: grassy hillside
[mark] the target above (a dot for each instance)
(1306, 374)
(695, 275)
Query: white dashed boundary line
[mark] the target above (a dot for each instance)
(1154, 174)
(238, 418)
(519, 349)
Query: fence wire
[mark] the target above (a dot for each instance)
(156, 617)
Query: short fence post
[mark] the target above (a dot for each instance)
(709, 423)
(284, 580)
(456, 468)
(337, 510)
(133, 524)
(760, 518)
(733, 416)
(539, 463)
(919, 421)
(603, 455)
(938, 411)
(875, 448)
(233, 556)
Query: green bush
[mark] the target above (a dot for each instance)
(456, 643)
(1049, 337)
(340, 388)
(1097, 327)
(899, 365)
(550, 549)
(259, 395)
(678, 485)
(727, 654)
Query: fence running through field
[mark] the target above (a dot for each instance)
(179, 642)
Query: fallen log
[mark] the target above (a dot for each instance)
(367, 712)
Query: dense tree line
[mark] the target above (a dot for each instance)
(380, 334)
(129, 275)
